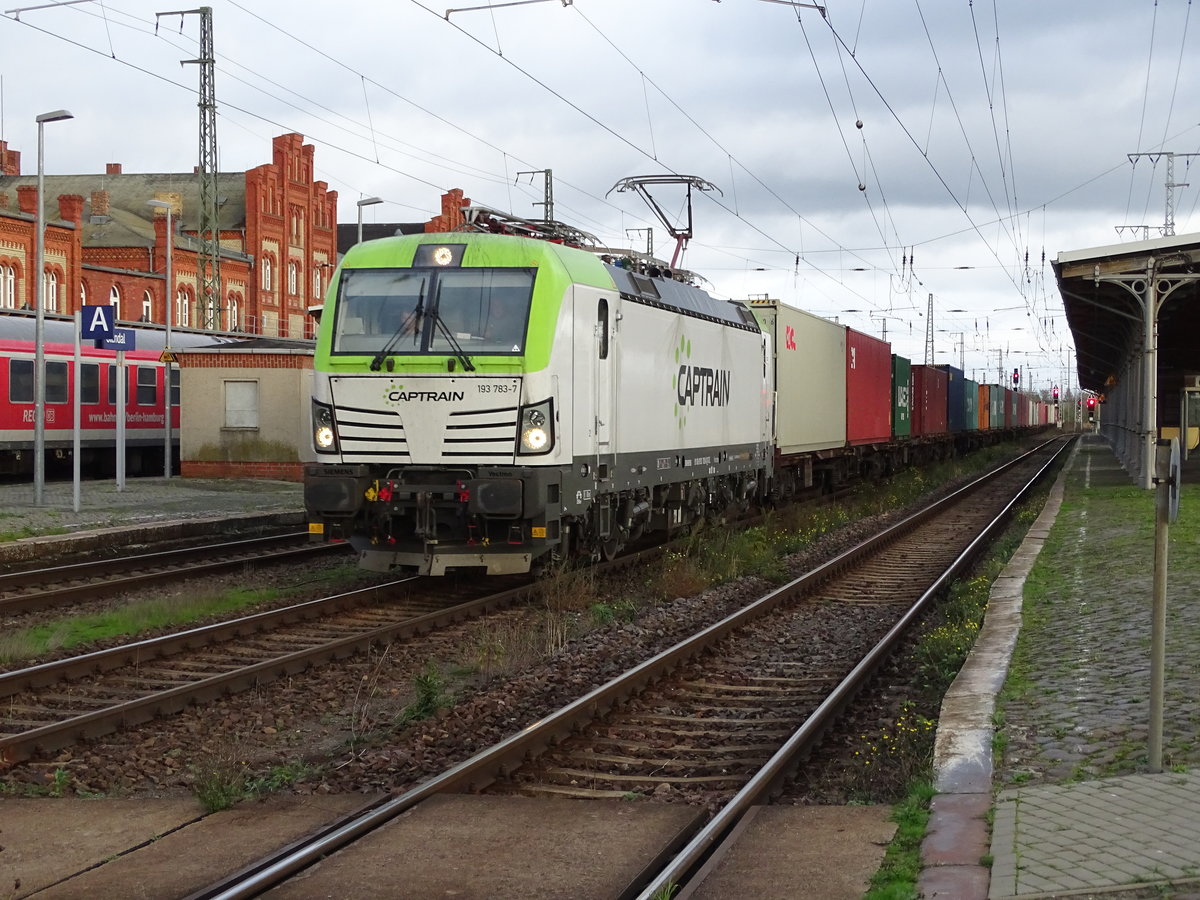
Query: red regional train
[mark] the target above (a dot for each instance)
(97, 382)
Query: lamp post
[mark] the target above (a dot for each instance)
(169, 301)
(366, 201)
(39, 282)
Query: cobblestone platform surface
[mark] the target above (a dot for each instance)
(1074, 809)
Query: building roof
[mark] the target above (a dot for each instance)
(1106, 319)
(129, 221)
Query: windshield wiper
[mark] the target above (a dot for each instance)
(458, 350)
(417, 314)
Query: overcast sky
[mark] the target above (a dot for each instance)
(865, 159)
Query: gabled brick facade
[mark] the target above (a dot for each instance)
(278, 233)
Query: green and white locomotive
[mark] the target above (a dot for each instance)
(501, 403)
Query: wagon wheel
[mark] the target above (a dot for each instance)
(610, 548)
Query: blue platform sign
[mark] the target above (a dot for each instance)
(98, 323)
(122, 339)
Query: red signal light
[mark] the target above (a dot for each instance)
(1091, 402)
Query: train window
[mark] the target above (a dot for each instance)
(112, 385)
(147, 386)
(394, 312)
(174, 385)
(56, 382)
(89, 384)
(20, 381)
(602, 326)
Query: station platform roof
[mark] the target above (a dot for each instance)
(1106, 319)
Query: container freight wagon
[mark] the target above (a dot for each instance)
(984, 407)
(929, 400)
(810, 378)
(901, 397)
(956, 399)
(971, 405)
(868, 389)
(995, 395)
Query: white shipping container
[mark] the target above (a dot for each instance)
(809, 377)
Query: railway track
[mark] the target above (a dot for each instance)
(55, 704)
(47, 588)
(727, 713)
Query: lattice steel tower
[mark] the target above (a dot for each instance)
(208, 229)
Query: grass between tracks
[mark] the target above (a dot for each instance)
(140, 616)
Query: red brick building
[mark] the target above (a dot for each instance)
(104, 244)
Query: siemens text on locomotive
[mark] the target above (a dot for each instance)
(501, 402)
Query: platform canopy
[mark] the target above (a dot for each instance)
(1098, 288)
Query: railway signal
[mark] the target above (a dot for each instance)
(1055, 393)
(1091, 405)
(1016, 377)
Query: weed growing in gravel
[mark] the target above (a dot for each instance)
(430, 696)
(56, 785)
(219, 781)
(896, 755)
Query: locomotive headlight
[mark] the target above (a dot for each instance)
(537, 434)
(324, 434)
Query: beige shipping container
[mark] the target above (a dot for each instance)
(810, 377)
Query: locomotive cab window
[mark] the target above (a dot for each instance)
(602, 326)
(396, 312)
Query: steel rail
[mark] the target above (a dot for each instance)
(481, 769)
(804, 738)
(154, 567)
(60, 734)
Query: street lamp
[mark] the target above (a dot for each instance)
(39, 279)
(366, 201)
(169, 300)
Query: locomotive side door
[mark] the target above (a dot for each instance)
(604, 355)
(593, 382)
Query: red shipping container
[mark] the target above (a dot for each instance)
(931, 387)
(868, 389)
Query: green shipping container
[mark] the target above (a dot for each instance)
(971, 400)
(901, 397)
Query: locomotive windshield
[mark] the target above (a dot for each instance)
(432, 311)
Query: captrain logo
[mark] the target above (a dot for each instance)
(694, 385)
(395, 394)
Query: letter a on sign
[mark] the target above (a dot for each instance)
(98, 323)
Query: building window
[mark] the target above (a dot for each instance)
(50, 291)
(8, 287)
(293, 279)
(82, 294)
(317, 285)
(234, 309)
(114, 300)
(241, 404)
(266, 273)
(147, 306)
(182, 314)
